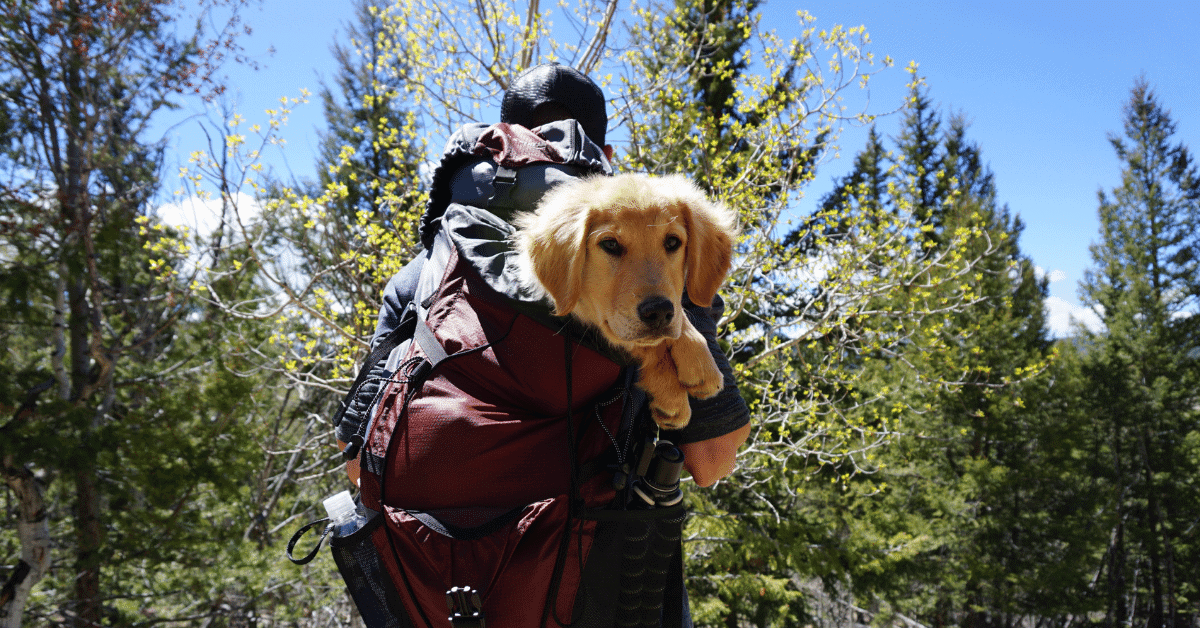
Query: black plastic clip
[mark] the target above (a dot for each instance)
(466, 608)
(502, 186)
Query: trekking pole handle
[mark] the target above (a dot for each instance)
(661, 468)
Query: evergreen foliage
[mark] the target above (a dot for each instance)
(956, 512)
(128, 444)
(1144, 370)
(923, 453)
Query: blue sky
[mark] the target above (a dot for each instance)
(1042, 83)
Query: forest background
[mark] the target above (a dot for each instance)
(926, 451)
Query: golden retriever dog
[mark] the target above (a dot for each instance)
(617, 252)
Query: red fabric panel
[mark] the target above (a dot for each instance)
(512, 568)
(514, 146)
(487, 428)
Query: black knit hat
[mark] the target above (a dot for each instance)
(561, 85)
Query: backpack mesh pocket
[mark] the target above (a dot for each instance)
(368, 581)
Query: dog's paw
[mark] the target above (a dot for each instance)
(695, 366)
(706, 387)
(669, 414)
(699, 375)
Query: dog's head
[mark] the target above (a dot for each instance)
(619, 251)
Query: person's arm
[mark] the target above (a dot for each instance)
(712, 459)
(720, 424)
(398, 293)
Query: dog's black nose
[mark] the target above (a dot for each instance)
(656, 312)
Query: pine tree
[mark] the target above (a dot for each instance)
(1144, 371)
(122, 421)
(376, 171)
(867, 181)
(953, 505)
(359, 110)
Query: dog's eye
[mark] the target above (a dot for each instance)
(611, 246)
(672, 243)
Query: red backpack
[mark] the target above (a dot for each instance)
(508, 478)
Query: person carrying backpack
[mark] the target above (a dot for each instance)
(477, 494)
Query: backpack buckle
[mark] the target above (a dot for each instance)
(502, 186)
(466, 608)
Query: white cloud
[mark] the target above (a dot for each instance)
(1054, 275)
(203, 216)
(1061, 316)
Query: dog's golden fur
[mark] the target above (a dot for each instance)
(617, 253)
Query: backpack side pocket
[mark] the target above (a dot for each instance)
(370, 584)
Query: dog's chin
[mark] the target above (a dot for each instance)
(639, 337)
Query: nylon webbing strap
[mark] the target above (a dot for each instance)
(291, 546)
(428, 342)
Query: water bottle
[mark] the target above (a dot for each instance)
(344, 515)
(344, 519)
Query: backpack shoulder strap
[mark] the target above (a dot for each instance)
(428, 342)
(411, 326)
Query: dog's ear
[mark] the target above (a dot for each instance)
(711, 230)
(552, 241)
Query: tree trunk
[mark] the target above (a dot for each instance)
(34, 536)
(88, 530)
(1116, 611)
(89, 536)
(1155, 529)
(84, 327)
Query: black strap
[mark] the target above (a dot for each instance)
(429, 343)
(299, 533)
(402, 332)
(574, 503)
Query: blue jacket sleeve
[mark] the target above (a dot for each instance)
(398, 293)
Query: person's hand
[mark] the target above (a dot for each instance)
(712, 459)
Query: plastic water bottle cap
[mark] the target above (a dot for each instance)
(340, 506)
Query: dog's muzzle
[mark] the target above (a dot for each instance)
(656, 313)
